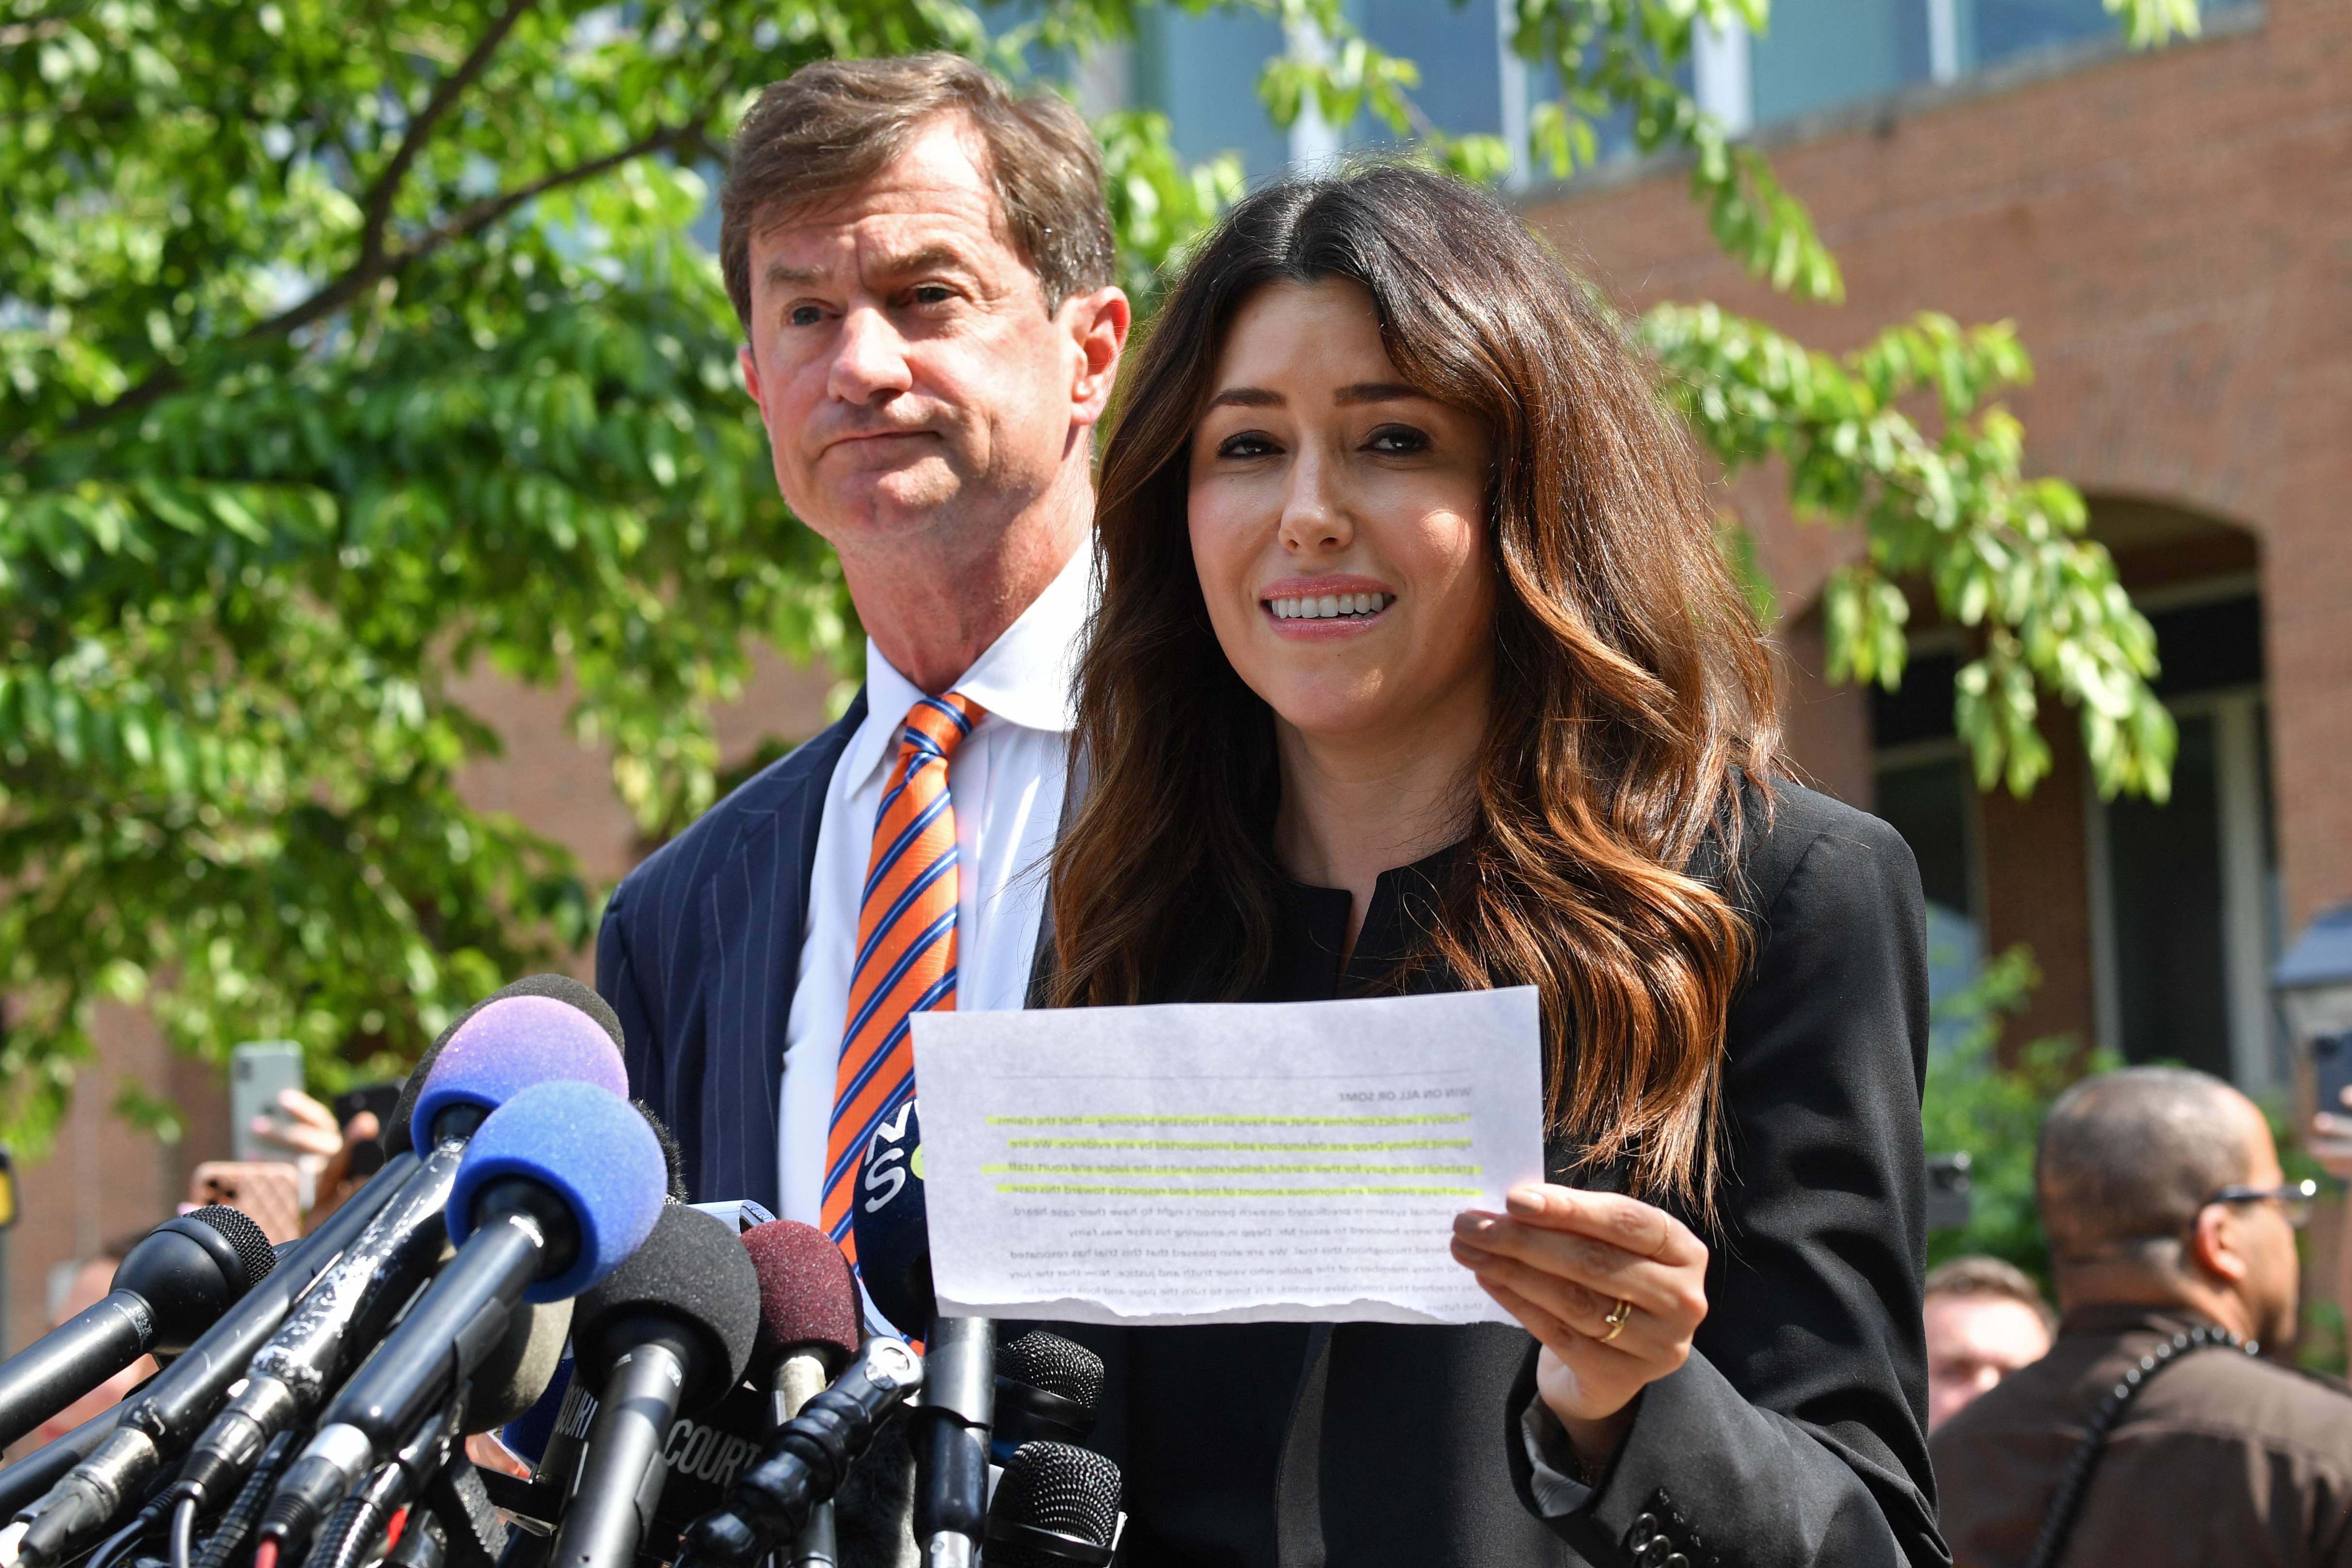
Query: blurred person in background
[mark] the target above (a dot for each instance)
(1985, 1318)
(2171, 1222)
(76, 1288)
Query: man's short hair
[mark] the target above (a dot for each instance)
(834, 125)
(1982, 1278)
(2127, 1159)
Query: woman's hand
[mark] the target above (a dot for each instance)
(1561, 1261)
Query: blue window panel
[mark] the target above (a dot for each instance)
(1201, 72)
(1461, 86)
(1823, 53)
(1991, 31)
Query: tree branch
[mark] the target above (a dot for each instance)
(375, 207)
(372, 269)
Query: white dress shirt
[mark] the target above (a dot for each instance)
(1006, 783)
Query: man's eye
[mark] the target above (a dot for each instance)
(1397, 439)
(804, 316)
(933, 294)
(1248, 444)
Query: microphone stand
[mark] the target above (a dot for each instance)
(959, 1405)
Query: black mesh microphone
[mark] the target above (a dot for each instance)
(1056, 1505)
(1047, 1390)
(890, 1220)
(671, 1329)
(174, 1285)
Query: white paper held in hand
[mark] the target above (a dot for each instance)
(1225, 1163)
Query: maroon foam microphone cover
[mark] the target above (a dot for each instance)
(808, 1298)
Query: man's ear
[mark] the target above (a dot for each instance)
(1097, 323)
(751, 375)
(2217, 1246)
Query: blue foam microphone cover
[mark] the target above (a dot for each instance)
(510, 1046)
(889, 1219)
(592, 1148)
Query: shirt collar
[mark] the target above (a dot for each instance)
(1023, 678)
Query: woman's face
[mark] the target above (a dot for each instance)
(1337, 518)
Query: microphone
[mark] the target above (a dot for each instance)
(1047, 1390)
(671, 1329)
(521, 1369)
(808, 1308)
(950, 1428)
(560, 1184)
(398, 1134)
(152, 1426)
(804, 1462)
(501, 1047)
(174, 1285)
(156, 1425)
(808, 1331)
(1056, 1505)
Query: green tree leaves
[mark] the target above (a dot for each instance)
(2002, 555)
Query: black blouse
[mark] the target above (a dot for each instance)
(1794, 1434)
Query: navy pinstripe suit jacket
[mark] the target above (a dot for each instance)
(699, 954)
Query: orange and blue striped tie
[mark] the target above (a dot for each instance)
(906, 960)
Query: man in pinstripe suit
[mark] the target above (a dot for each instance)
(923, 268)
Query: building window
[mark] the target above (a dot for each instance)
(1925, 790)
(2185, 895)
(1201, 72)
(1927, 794)
(1819, 54)
(1986, 32)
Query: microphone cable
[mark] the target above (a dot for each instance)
(236, 1526)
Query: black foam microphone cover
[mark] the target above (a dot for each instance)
(517, 1375)
(556, 987)
(889, 1219)
(673, 1157)
(691, 1272)
(1056, 1505)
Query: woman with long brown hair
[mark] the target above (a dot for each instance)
(1415, 668)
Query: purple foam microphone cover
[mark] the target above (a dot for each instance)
(558, 987)
(511, 1045)
(588, 1146)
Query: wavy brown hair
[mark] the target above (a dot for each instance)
(1631, 685)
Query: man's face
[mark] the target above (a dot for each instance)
(1974, 1341)
(2265, 1237)
(904, 366)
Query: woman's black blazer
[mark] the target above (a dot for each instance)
(1792, 1435)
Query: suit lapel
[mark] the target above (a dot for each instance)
(754, 913)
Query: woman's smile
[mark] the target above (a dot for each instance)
(1318, 608)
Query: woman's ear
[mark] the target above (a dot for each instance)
(2217, 1244)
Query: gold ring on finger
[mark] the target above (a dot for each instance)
(1616, 1321)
